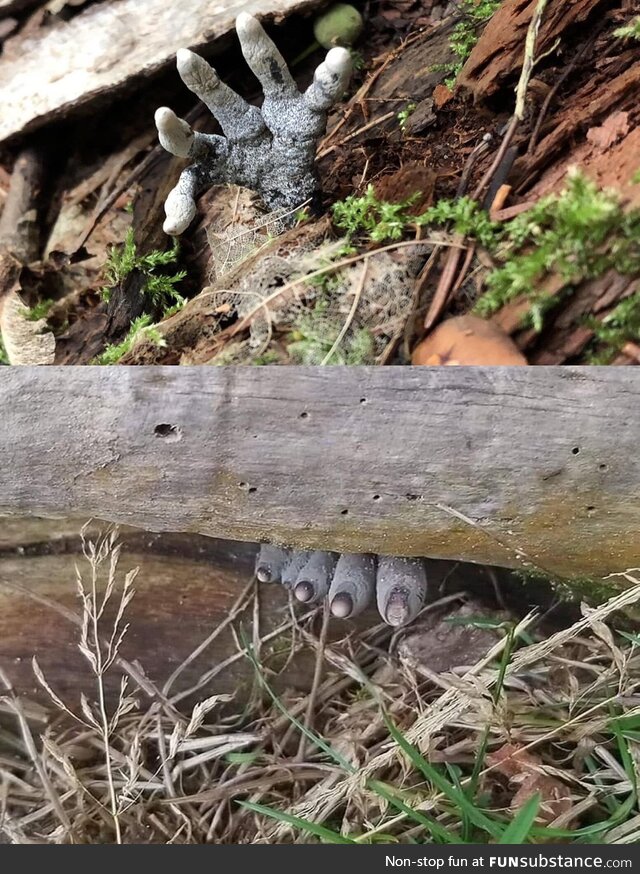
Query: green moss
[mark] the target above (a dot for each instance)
(160, 288)
(381, 221)
(593, 590)
(618, 327)
(629, 31)
(464, 35)
(578, 234)
(112, 354)
(405, 114)
(4, 358)
(39, 311)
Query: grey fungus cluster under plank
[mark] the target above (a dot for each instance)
(350, 581)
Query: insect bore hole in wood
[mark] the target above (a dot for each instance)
(168, 433)
(247, 488)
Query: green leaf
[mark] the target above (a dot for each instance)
(477, 817)
(442, 834)
(304, 825)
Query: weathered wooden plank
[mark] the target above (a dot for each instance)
(491, 465)
(110, 46)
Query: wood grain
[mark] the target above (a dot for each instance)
(109, 47)
(522, 466)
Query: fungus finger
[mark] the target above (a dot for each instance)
(314, 578)
(238, 119)
(180, 205)
(177, 137)
(330, 80)
(401, 588)
(263, 57)
(297, 560)
(353, 585)
(270, 562)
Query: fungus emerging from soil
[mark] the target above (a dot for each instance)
(270, 150)
(351, 582)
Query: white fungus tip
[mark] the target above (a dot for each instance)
(246, 23)
(338, 60)
(342, 606)
(163, 116)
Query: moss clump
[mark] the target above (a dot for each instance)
(618, 327)
(629, 31)
(341, 25)
(112, 354)
(464, 35)
(39, 311)
(578, 234)
(160, 288)
(593, 590)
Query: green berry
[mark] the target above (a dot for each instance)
(341, 25)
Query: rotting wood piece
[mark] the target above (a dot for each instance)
(106, 49)
(509, 466)
(499, 52)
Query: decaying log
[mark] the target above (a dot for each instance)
(500, 50)
(509, 467)
(108, 47)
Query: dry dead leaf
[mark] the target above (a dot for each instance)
(526, 772)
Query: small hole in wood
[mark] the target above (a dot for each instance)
(602, 467)
(411, 497)
(591, 509)
(252, 489)
(304, 415)
(575, 450)
(344, 512)
(376, 497)
(168, 433)
(363, 400)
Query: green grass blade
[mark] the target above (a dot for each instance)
(297, 822)
(442, 834)
(311, 735)
(479, 819)
(519, 829)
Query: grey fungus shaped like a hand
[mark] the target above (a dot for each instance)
(269, 150)
(351, 582)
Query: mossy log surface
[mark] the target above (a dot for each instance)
(516, 467)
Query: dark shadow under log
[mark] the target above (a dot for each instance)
(513, 467)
